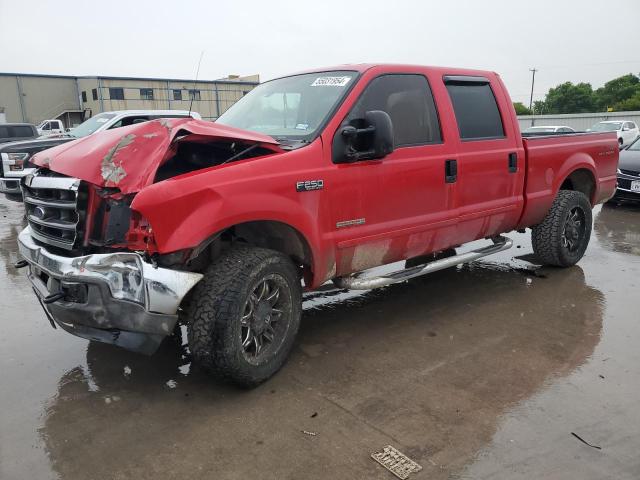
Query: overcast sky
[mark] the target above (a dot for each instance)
(588, 40)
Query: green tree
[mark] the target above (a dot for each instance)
(617, 91)
(539, 107)
(630, 104)
(570, 98)
(521, 109)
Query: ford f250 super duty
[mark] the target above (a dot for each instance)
(312, 177)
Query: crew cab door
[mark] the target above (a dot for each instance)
(396, 207)
(490, 158)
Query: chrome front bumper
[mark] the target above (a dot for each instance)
(92, 303)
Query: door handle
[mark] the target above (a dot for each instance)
(513, 162)
(450, 171)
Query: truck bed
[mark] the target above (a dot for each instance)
(552, 158)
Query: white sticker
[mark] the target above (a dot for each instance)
(330, 81)
(302, 126)
(101, 120)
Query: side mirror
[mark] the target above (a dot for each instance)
(369, 138)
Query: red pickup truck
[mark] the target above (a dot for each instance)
(312, 177)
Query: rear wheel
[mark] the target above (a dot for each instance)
(562, 237)
(244, 315)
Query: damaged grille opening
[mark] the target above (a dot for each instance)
(111, 221)
(191, 156)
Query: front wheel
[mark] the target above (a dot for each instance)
(562, 237)
(244, 314)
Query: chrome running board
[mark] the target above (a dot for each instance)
(356, 282)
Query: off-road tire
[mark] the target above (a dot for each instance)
(547, 237)
(215, 308)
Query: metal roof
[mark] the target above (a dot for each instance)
(147, 79)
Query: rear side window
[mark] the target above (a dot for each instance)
(476, 109)
(4, 132)
(408, 101)
(21, 131)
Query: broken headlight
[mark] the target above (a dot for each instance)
(123, 274)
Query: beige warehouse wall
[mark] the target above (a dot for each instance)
(86, 85)
(9, 98)
(46, 97)
(227, 94)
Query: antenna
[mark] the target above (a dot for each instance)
(192, 92)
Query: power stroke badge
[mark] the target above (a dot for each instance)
(308, 185)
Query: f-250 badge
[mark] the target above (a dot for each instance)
(308, 185)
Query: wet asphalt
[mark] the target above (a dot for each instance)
(485, 371)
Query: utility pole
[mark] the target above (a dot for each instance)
(533, 80)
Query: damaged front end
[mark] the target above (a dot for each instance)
(92, 259)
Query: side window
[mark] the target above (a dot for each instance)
(475, 107)
(4, 132)
(21, 131)
(146, 93)
(116, 93)
(125, 122)
(47, 126)
(408, 100)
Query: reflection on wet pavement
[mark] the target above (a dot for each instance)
(618, 228)
(477, 372)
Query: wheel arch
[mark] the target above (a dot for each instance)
(271, 234)
(582, 179)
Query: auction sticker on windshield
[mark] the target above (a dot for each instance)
(330, 81)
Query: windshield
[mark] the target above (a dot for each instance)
(607, 127)
(290, 108)
(540, 130)
(91, 125)
(635, 145)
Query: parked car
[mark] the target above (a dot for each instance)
(13, 132)
(15, 157)
(48, 128)
(309, 178)
(541, 130)
(628, 187)
(626, 131)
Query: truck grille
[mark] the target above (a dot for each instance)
(630, 172)
(55, 208)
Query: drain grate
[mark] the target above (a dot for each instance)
(396, 462)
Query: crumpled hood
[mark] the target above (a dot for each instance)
(128, 157)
